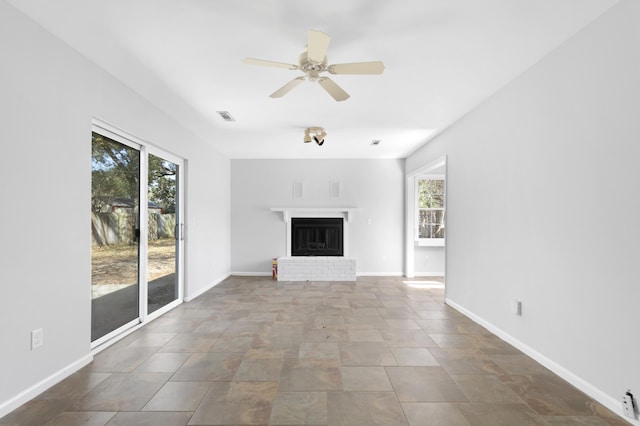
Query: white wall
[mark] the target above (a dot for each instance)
(375, 187)
(543, 205)
(48, 96)
(428, 261)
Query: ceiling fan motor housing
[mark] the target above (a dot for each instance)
(310, 68)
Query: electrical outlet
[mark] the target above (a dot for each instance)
(628, 406)
(37, 338)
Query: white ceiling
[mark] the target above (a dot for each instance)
(442, 58)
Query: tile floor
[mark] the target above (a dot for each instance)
(253, 351)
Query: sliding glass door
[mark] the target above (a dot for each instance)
(137, 235)
(165, 233)
(115, 226)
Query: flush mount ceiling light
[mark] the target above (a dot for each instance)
(318, 135)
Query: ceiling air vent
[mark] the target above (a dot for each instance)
(226, 116)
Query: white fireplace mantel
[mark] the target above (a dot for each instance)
(344, 212)
(289, 212)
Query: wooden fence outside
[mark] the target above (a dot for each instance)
(119, 228)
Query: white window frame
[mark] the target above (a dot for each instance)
(430, 242)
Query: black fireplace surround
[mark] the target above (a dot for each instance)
(316, 236)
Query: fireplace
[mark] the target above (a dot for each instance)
(345, 214)
(317, 236)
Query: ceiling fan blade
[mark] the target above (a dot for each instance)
(376, 67)
(287, 87)
(264, 63)
(317, 46)
(333, 89)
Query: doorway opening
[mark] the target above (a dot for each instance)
(425, 224)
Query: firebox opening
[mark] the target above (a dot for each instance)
(317, 236)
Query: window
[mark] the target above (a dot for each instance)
(430, 204)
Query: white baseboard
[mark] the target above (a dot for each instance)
(358, 274)
(379, 274)
(206, 288)
(8, 406)
(428, 274)
(252, 274)
(608, 401)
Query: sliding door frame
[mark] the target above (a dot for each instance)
(145, 148)
(179, 229)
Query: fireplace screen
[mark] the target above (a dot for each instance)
(316, 236)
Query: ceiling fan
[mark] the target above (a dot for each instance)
(313, 61)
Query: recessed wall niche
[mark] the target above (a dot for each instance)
(297, 189)
(335, 189)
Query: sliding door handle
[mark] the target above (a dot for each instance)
(178, 231)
